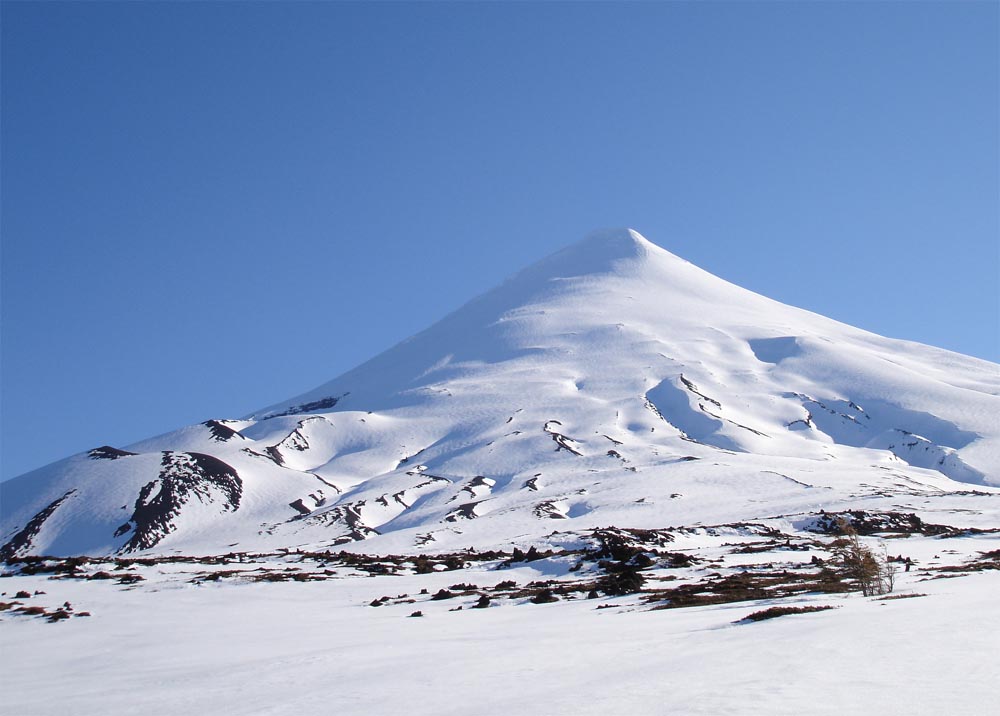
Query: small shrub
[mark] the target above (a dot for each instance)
(874, 573)
(453, 562)
(624, 581)
(642, 560)
(463, 587)
(772, 612)
(544, 596)
(422, 565)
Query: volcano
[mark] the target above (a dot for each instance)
(611, 383)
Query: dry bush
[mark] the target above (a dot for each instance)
(772, 612)
(873, 573)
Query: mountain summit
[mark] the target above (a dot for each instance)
(610, 383)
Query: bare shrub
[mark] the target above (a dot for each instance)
(873, 573)
(772, 612)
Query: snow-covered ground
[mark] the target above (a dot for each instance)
(167, 645)
(615, 456)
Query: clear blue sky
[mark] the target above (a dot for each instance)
(207, 208)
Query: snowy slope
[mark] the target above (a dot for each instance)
(610, 383)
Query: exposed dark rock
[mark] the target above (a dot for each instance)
(694, 389)
(462, 512)
(321, 404)
(183, 476)
(222, 432)
(623, 544)
(20, 543)
(867, 523)
(562, 442)
(348, 515)
(548, 510)
(275, 454)
(300, 506)
(106, 452)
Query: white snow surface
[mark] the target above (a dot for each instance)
(610, 383)
(168, 646)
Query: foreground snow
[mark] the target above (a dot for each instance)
(298, 632)
(294, 648)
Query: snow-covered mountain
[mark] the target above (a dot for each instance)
(611, 383)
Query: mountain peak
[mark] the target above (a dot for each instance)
(604, 247)
(616, 240)
(612, 382)
(614, 251)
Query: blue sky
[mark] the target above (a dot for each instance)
(207, 208)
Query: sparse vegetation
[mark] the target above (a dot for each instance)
(772, 612)
(901, 596)
(621, 579)
(872, 572)
(544, 596)
(610, 562)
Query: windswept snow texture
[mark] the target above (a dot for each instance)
(690, 416)
(774, 350)
(610, 383)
